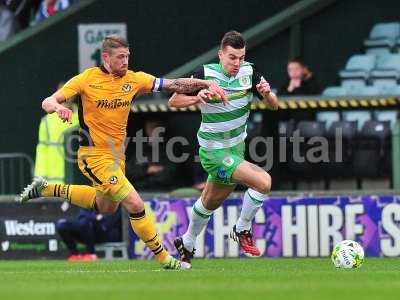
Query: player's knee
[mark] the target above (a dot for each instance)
(133, 204)
(264, 186)
(104, 206)
(110, 209)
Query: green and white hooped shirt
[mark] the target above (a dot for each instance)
(225, 126)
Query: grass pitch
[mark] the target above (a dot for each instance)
(209, 279)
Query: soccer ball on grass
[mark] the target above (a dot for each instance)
(347, 254)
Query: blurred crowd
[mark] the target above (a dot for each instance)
(16, 15)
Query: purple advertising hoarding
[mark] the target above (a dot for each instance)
(285, 226)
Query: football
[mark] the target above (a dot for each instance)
(347, 254)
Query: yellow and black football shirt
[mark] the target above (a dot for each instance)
(105, 103)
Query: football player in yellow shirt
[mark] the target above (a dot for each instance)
(106, 95)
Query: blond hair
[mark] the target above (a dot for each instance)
(113, 42)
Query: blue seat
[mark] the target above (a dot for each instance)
(354, 90)
(387, 71)
(334, 91)
(300, 163)
(371, 91)
(372, 157)
(394, 90)
(328, 117)
(358, 67)
(386, 116)
(382, 38)
(361, 116)
(341, 155)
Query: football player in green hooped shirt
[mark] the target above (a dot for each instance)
(221, 137)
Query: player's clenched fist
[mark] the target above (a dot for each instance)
(263, 87)
(64, 113)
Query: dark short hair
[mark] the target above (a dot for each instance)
(233, 39)
(297, 60)
(113, 42)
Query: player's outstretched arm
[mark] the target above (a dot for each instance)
(182, 100)
(190, 85)
(53, 104)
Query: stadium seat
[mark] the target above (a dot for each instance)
(394, 90)
(286, 128)
(334, 91)
(390, 116)
(382, 38)
(353, 83)
(361, 116)
(305, 169)
(387, 71)
(371, 91)
(285, 131)
(388, 62)
(354, 90)
(358, 68)
(340, 160)
(372, 156)
(328, 117)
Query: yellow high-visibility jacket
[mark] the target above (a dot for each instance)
(49, 161)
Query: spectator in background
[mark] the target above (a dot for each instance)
(23, 10)
(89, 228)
(300, 81)
(8, 23)
(50, 162)
(49, 7)
(150, 168)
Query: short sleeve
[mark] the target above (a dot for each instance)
(146, 82)
(256, 80)
(73, 87)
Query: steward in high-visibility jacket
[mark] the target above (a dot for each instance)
(50, 159)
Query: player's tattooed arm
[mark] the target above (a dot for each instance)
(191, 85)
(53, 103)
(183, 85)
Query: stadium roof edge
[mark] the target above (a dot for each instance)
(34, 30)
(260, 32)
